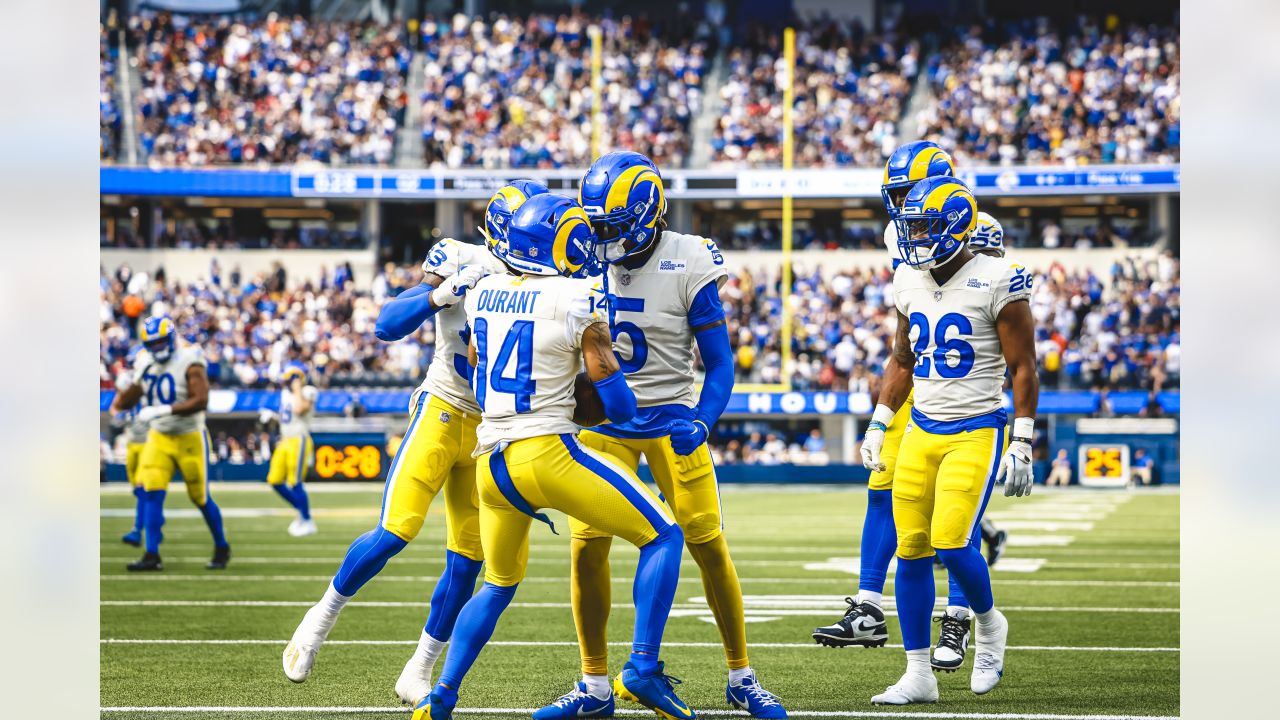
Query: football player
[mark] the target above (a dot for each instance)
(176, 387)
(963, 319)
(294, 450)
(435, 455)
(135, 438)
(532, 334)
(664, 299)
(863, 623)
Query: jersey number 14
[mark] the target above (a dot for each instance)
(518, 342)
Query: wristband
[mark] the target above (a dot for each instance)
(1024, 428)
(877, 425)
(164, 410)
(443, 296)
(704, 426)
(883, 414)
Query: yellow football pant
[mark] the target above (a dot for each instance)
(290, 460)
(892, 440)
(557, 471)
(132, 456)
(688, 484)
(164, 453)
(942, 486)
(435, 454)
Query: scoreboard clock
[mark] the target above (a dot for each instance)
(1104, 465)
(350, 456)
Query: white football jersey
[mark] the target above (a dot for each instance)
(528, 336)
(447, 373)
(651, 315)
(960, 368)
(292, 422)
(891, 243)
(166, 383)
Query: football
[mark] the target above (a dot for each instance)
(589, 411)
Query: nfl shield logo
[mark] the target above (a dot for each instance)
(937, 295)
(625, 279)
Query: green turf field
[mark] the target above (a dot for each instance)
(1090, 590)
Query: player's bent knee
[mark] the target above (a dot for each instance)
(702, 528)
(914, 545)
(670, 534)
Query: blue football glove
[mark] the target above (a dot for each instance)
(687, 436)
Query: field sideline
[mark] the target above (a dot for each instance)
(1090, 585)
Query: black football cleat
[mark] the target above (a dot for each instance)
(150, 562)
(862, 625)
(221, 556)
(995, 546)
(953, 642)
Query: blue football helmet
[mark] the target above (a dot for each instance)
(550, 235)
(159, 337)
(503, 204)
(622, 194)
(988, 236)
(935, 221)
(291, 371)
(908, 165)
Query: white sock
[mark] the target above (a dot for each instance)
(874, 598)
(737, 675)
(918, 662)
(986, 619)
(333, 601)
(597, 686)
(428, 650)
(958, 611)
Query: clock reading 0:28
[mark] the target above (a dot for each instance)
(354, 462)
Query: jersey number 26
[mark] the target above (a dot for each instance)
(942, 346)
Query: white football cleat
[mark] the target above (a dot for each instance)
(300, 653)
(988, 657)
(912, 688)
(302, 528)
(415, 682)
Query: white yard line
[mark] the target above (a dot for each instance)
(679, 610)
(558, 643)
(623, 711)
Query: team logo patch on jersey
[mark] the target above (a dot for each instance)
(676, 266)
(974, 283)
(445, 417)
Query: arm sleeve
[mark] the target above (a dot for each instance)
(717, 386)
(706, 307)
(1014, 284)
(616, 396)
(405, 313)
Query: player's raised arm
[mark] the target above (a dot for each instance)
(1016, 329)
(605, 374)
(444, 283)
(893, 392)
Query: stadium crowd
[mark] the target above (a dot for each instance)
(850, 89)
(1119, 331)
(516, 92)
(1094, 93)
(223, 91)
(110, 121)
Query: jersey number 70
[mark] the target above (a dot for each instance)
(942, 346)
(518, 342)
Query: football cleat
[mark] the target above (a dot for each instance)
(654, 691)
(221, 556)
(988, 657)
(149, 562)
(133, 537)
(863, 624)
(995, 546)
(953, 641)
(438, 705)
(302, 528)
(910, 689)
(750, 696)
(577, 703)
(300, 653)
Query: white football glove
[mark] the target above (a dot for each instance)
(873, 441)
(266, 416)
(457, 285)
(147, 414)
(1015, 466)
